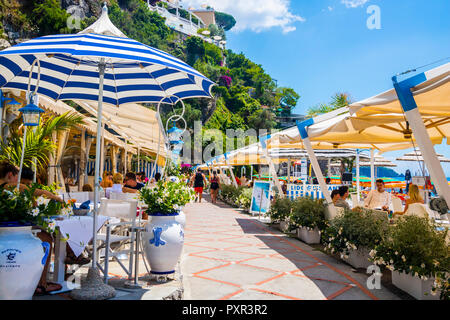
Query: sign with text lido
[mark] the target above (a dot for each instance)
(308, 190)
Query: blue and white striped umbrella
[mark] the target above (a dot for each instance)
(107, 69)
(134, 72)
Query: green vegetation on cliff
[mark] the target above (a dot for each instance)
(245, 97)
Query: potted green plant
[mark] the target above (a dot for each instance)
(245, 199)
(164, 235)
(279, 212)
(354, 233)
(308, 217)
(21, 257)
(418, 255)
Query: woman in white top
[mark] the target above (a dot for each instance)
(414, 197)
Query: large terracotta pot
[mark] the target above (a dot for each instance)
(163, 242)
(22, 261)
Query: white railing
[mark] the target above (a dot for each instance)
(181, 24)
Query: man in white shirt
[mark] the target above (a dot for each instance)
(378, 198)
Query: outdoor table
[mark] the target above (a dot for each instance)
(79, 229)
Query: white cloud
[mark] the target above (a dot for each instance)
(330, 8)
(354, 3)
(255, 15)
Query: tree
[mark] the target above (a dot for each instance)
(224, 20)
(338, 100)
(50, 18)
(38, 144)
(341, 100)
(195, 48)
(287, 98)
(262, 119)
(216, 31)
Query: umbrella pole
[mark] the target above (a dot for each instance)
(372, 169)
(358, 187)
(98, 151)
(93, 287)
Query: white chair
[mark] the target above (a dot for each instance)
(397, 204)
(126, 211)
(79, 197)
(101, 194)
(123, 196)
(355, 203)
(73, 189)
(418, 209)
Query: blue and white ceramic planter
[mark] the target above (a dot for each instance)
(181, 218)
(163, 242)
(22, 261)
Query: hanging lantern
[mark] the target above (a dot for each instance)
(31, 114)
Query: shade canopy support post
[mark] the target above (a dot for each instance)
(272, 170)
(233, 178)
(406, 98)
(372, 169)
(358, 187)
(289, 170)
(302, 128)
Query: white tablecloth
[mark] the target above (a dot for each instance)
(79, 230)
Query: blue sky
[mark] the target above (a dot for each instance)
(321, 47)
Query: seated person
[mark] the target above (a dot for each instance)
(335, 196)
(140, 177)
(131, 185)
(414, 197)
(88, 188)
(27, 176)
(379, 198)
(9, 175)
(106, 180)
(117, 185)
(45, 286)
(343, 195)
(156, 178)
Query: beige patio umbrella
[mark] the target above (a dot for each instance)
(416, 156)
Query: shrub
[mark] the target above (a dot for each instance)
(280, 209)
(355, 229)
(416, 247)
(309, 213)
(245, 198)
(230, 194)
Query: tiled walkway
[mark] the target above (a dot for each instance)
(228, 255)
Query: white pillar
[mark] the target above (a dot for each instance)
(372, 168)
(233, 178)
(272, 170)
(420, 132)
(437, 174)
(289, 170)
(319, 175)
(358, 188)
(329, 167)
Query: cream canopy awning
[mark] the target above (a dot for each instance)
(135, 122)
(379, 122)
(59, 107)
(432, 97)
